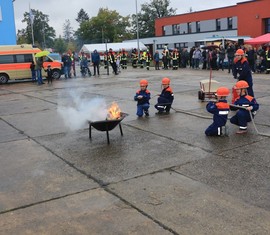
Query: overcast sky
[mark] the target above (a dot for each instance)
(61, 10)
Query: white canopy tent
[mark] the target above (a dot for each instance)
(101, 47)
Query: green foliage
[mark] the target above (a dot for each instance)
(107, 25)
(43, 33)
(60, 45)
(149, 12)
(82, 16)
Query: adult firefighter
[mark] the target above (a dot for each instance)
(123, 59)
(241, 70)
(112, 60)
(175, 59)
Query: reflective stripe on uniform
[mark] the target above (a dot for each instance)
(223, 112)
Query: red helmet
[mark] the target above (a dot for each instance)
(143, 82)
(241, 85)
(239, 52)
(166, 81)
(223, 91)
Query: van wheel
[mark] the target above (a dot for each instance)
(56, 73)
(3, 78)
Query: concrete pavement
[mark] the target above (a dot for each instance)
(163, 176)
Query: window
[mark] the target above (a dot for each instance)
(1, 14)
(176, 29)
(267, 25)
(198, 26)
(189, 27)
(24, 58)
(160, 46)
(6, 59)
(181, 45)
(218, 24)
(230, 23)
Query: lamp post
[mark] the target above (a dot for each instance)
(137, 22)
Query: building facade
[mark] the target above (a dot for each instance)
(7, 23)
(239, 22)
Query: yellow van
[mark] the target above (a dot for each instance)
(15, 61)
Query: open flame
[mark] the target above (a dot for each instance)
(114, 112)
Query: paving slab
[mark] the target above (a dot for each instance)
(8, 133)
(242, 172)
(197, 184)
(136, 153)
(95, 212)
(190, 207)
(190, 130)
(31, 174)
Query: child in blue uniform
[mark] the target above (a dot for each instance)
(249, 104)
(142, 97)
(166, 97)
(220, 109)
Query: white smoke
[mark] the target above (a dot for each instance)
(79, 111)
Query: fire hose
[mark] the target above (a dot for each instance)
(252, 119)
(207, 117)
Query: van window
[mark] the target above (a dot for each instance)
(26, 58)
(48, 59)
(6, 59)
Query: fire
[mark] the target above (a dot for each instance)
(114, 112)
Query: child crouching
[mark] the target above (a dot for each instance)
(166, 98)
(220, 109)
(142, 97)
(246, 104)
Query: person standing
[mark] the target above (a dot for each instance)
(65, 65)
(39, 66)
(221, 57)
(112, 60)
(197, 55)
(230, 54)
(156, 59)
(49, 74)
(95, 57)
(123, 60)
(175, 58)
(251, 58)
(73, 59)
(165, 57)
(33, 71)
(147, 59)
(241, 70)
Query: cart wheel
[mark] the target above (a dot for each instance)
(201, 95)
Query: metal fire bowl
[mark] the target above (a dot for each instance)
(107, 125)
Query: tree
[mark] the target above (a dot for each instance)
(107, 25)
(149, 12)
(60, 45)
(43, 33)
(82, 16)
(68, 31)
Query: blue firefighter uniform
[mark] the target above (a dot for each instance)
(143, 103)
(165, 100)
(220, 111)
(242, 117)
(241, 71)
